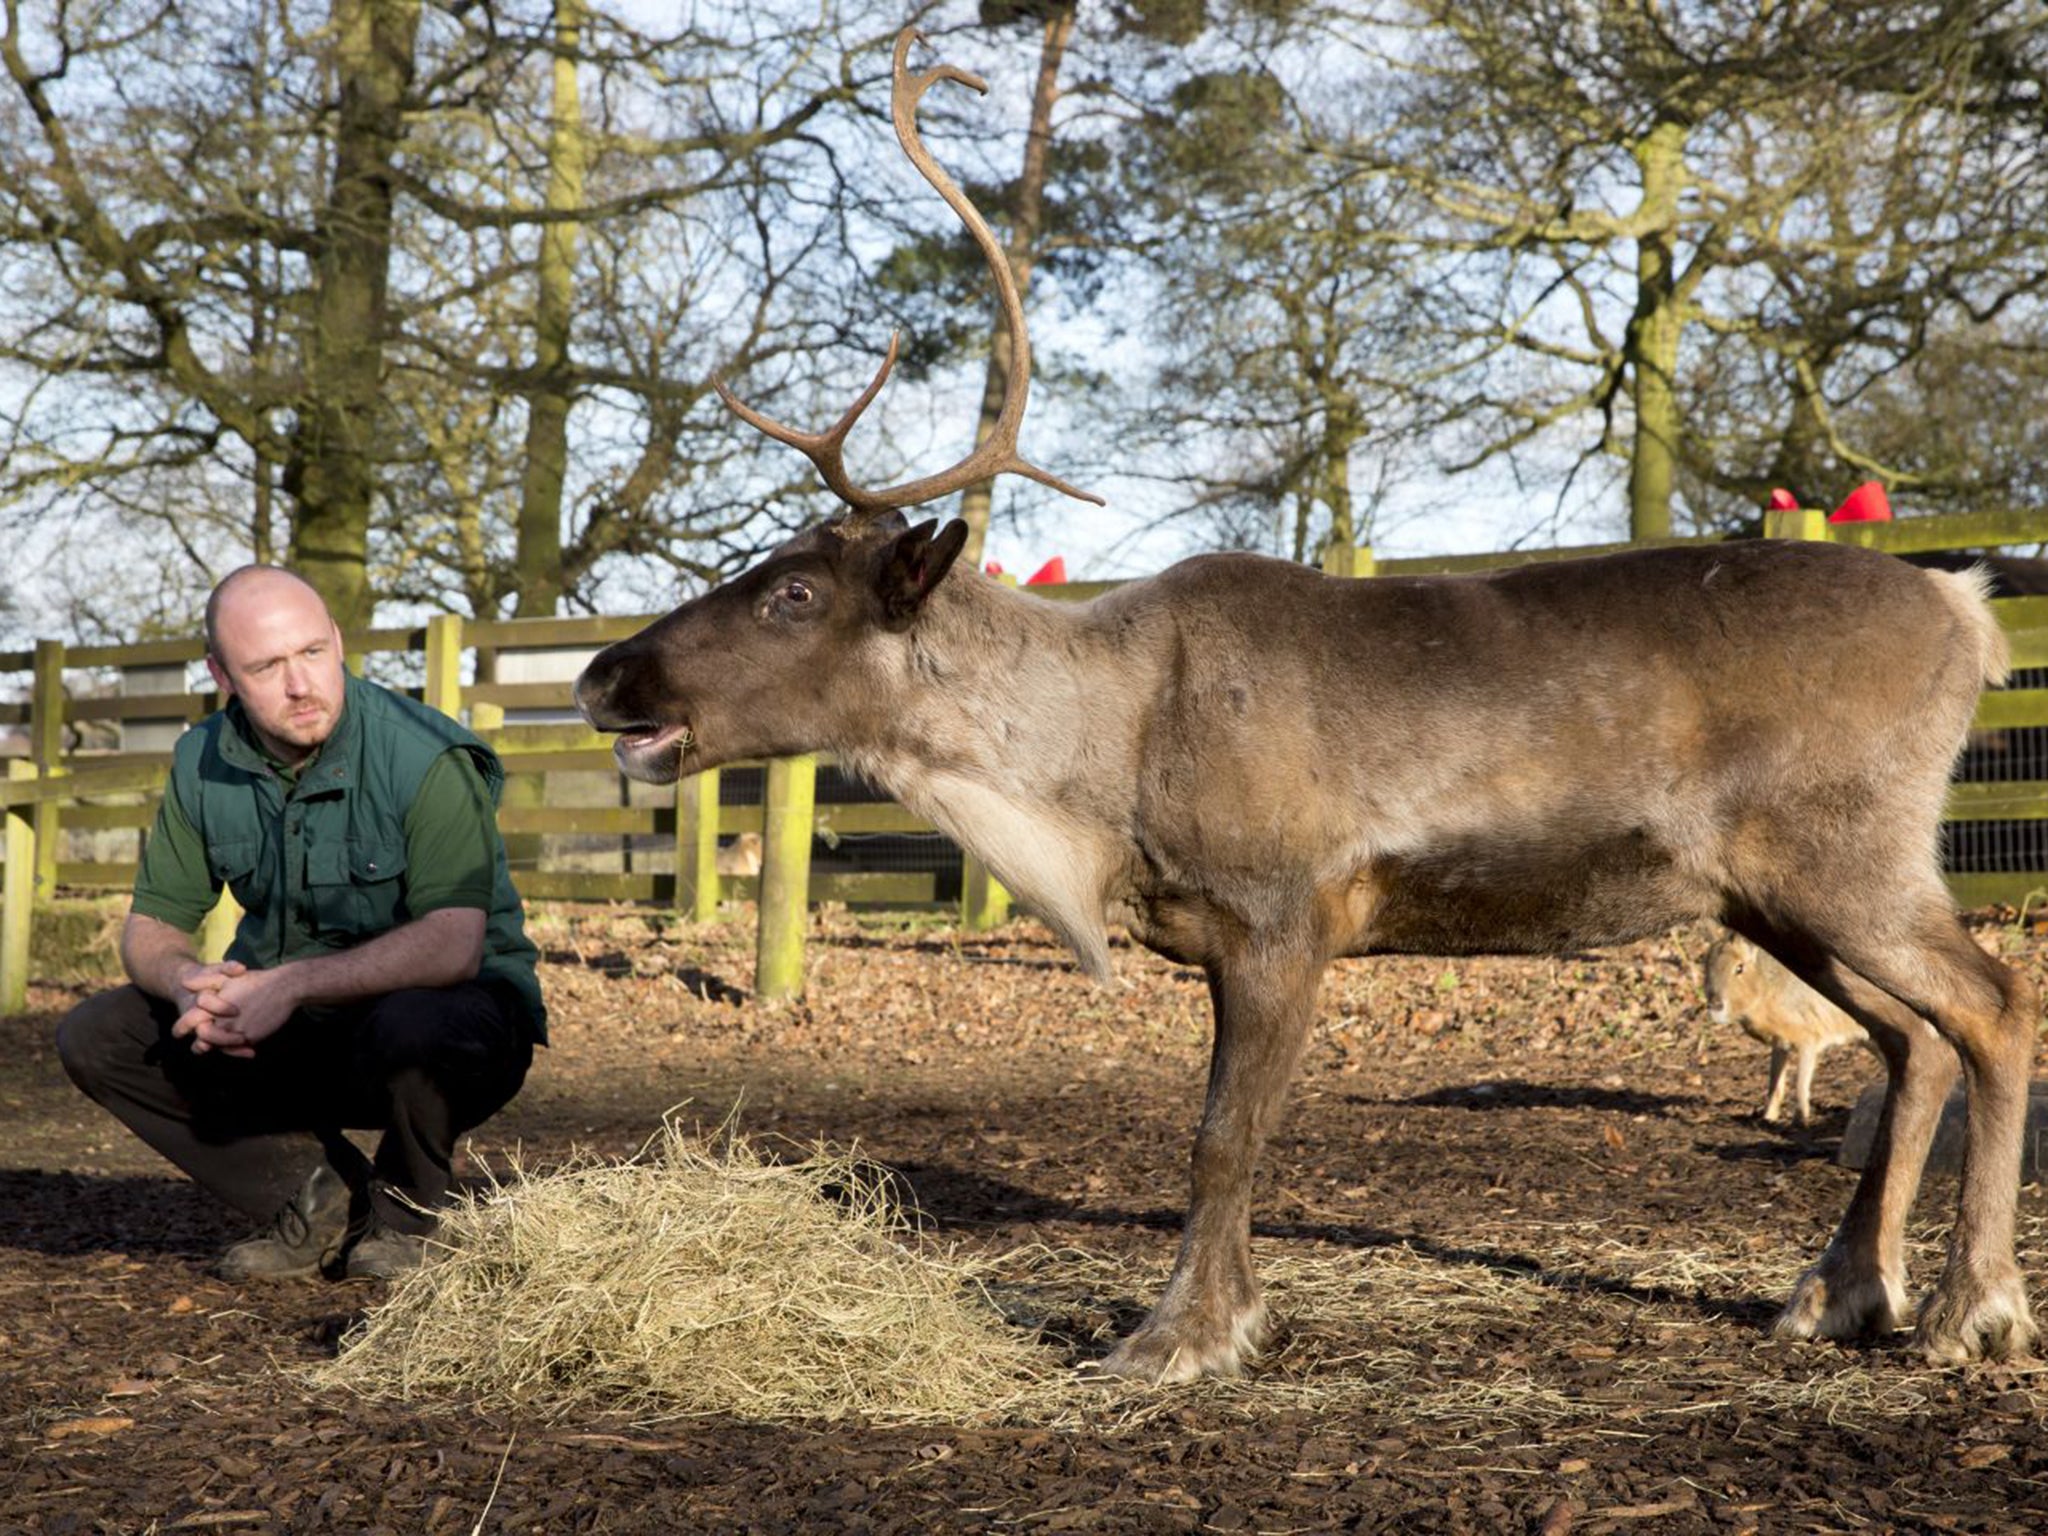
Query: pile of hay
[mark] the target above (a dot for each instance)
(702, 1281)
(695, 1281)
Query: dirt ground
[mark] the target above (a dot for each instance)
(1522, 1229)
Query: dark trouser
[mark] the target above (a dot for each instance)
(422, 1066)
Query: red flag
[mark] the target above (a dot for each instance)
(1053, 572)
(1866, 504)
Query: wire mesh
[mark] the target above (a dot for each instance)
(2014, 755)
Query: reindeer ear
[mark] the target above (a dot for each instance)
(914, 563)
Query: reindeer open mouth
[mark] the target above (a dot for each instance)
(647, 748)
(653, 753)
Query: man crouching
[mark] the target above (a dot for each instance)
(380, 979)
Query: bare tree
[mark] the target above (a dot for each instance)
(1823, 183)
(128, 206)
(1284, 332)
(222, 317)
(1674, 246)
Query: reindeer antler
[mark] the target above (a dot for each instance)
(998, 453)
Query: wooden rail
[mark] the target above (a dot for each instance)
(50, 789)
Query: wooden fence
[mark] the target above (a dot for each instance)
(64, 785)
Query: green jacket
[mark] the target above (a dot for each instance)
(332, 846)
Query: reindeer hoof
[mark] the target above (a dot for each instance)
(1168, 1353)
(1976, 1319)
(1831, 1302)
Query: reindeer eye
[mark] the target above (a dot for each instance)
(797, 590)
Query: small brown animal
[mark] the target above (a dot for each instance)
(1747, 987)
(741, 858)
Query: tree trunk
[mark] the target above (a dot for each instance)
(1654, 332)
(333, 473)
(977, 500)
(1341, 432)
(539, 556)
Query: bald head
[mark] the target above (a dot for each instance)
(255, 584)
(272, 645)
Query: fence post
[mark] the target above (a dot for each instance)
(1348, 560)
(486, 717)
(46, 750)
(785, 876)
(217, 928)
(984, 904)
(1803, 523)
(697, 846)
(444, 665)
(17, 894)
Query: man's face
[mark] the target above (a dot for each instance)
(280, 654)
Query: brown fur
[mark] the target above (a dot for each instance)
(1257, 768)
(740, 858)
(1749, 989)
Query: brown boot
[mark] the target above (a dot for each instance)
(302, 1238)
(382, 1254)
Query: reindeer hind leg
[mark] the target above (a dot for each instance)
(1989, 1014)
(1928, 996)
(1857, 1288)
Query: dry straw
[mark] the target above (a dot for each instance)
(695, 1281)
(710, 1281)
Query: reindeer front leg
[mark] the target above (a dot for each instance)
(1211, 1318)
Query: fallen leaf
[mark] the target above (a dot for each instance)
(1616, 1142)
(183, 1305)
(1983, 1455)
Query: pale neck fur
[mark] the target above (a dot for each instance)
(1009, 741)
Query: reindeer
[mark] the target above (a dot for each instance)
(1256, 768)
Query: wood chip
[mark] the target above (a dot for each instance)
(212, 1518)
(109, 1424)
(1645, 1511)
